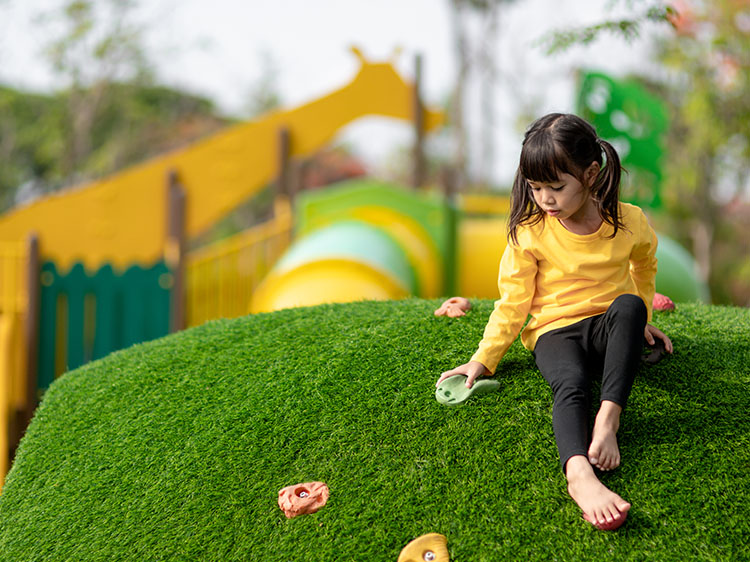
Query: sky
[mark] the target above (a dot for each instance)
(219, 48)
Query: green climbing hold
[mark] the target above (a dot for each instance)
(452, 391)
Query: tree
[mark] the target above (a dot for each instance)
(108, 113)
(628, 28)
(708, 59)
(480, 57)
(99, 44)
(133, 123)
(264, 95)
(31, 139)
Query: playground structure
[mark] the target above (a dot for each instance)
(102, 267)
(370, 240)
(109, 267)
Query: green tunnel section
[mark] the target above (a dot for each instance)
(363, 240)
(316, 208)
(343, 261)
(86, 316)
(676, 276)
(346, 240)
(421, 222)
(407, 242)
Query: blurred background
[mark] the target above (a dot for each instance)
(165, 163)
(89, 87)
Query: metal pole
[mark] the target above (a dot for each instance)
(450, 218)
(284, 179)
(419, 172)
(175, 249)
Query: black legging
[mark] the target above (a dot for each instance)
(610, 343)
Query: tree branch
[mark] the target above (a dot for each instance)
(628, 29)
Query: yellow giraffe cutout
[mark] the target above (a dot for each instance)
(121, 219)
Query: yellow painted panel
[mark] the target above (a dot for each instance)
(8, 365)
(484, 204)
(12, 288)
(481, 243)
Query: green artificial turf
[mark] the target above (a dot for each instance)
(176, 449)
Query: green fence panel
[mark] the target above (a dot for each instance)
(75, 287)
(104, 312)
(107, 328)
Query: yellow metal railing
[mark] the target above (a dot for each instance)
(220, 279)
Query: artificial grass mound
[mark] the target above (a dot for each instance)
(176, 449)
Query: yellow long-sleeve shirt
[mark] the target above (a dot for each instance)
(560, 278)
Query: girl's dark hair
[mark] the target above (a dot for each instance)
(559, 144)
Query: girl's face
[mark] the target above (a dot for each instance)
(567, 198)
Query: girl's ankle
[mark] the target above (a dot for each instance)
(609, 415)
(577, 467)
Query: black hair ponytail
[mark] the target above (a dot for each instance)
(523, 208)
(606, 188)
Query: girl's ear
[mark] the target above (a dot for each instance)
(591, 173)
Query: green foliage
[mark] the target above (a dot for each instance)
(137, 122)
(176, 449)
(132, 124)
(626, 28)
(31, 139)
(708, 59)
(109, 114)
(94, 41)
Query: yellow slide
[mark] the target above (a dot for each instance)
(121, 219)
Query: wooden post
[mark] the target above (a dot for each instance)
(31, 329)
(450, 220)
(450, 183)
(284, 177)
(419, 171)
(300, 167)
(174, 252)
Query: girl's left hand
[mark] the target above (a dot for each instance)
(650, 333)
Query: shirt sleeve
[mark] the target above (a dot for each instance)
(643, 263)
(516, 281)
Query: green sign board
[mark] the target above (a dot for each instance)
(634, 121)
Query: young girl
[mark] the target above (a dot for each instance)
(582, 264)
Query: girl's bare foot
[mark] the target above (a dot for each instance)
(603, 452)
(601, 506)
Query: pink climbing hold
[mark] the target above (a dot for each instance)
(302, 499)
(454, 307)
(662, 302)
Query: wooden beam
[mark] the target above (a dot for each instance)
(284, 172)
(175, 249)
(419, 167)
(23, 416)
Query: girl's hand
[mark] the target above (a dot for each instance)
(472, 370)
(650, 333)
